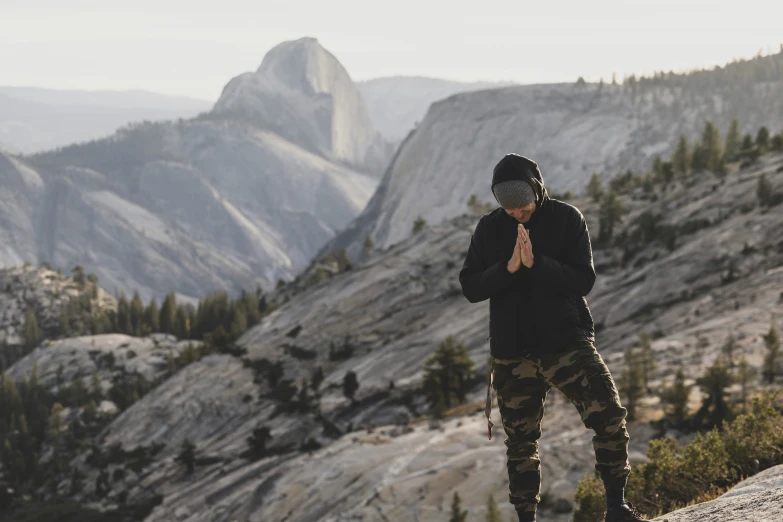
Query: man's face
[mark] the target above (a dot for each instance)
(522, 214)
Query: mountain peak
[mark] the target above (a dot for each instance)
(302, 92)
(303, 65)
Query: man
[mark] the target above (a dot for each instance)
(532, 259)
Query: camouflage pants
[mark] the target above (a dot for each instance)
(522, 384)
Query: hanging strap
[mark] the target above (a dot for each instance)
(488, 407)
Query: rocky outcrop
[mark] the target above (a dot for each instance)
(46, 292)
(379, 459)
(756, 499)
(107, 355)
(571, 130)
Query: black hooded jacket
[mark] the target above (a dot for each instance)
(541, 309)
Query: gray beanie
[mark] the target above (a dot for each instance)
(514, 193)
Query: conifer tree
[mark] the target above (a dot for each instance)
(632, 383)
(446, 373)
(594, 188)
(168, 314)
(30, 331)
(316, 378)
(728, 350)
(764, 192)
(187, 456)
(350, 384)
(715, 407)
(771, 358)
(762, 140)
(367, 246)
(136, 314)
(493, 513)
(457, 513)
(124, 324)
(610, 214)
(732, 141)
(257, 442)
(419, 224)
(152, 316)
(745, 375)
(647, 358)
(712, 147)
(676, 396)
(681, 160)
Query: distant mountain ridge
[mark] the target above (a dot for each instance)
(571, 130)
(214, 202)
(33, 119)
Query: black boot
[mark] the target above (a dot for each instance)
(527, 516)
(625, 512)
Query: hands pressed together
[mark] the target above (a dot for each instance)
(523, 251)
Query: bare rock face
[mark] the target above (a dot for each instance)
(756, 499)
(571, 130)
(236, 198)
(46, 292)
(378, 458)
(105, 355)
(302, 93)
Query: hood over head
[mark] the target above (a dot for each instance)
(514, 166)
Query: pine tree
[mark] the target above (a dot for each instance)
(632, 383)
(657, 167)
(124, 324)
(350, 384)
(187, 456)
(681, 158)
(136, 314)
(30, 331)
(594, 188)
(64, 321)
(715, 407)
(367, 246)
(610, 214)
(712, 146)
(732, 141)
(257, 442)
(316, 378)
(772, 344)
(419, 224)
(457, 514)
(762, 140)
(728, 350)
(676, 396)
(647, 358)
(78, 276)
(343, 261)
(493, 513)
(745, 375)
(152, 316)
(446, 374)
(764, 192)
(168, 314)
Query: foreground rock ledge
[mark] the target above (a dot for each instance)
(757, 499)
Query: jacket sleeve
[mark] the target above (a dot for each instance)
(576, 275)
(480, 281)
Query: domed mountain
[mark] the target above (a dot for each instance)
(243, 195)
(305, 95)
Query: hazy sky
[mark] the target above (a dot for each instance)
(193, 47)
